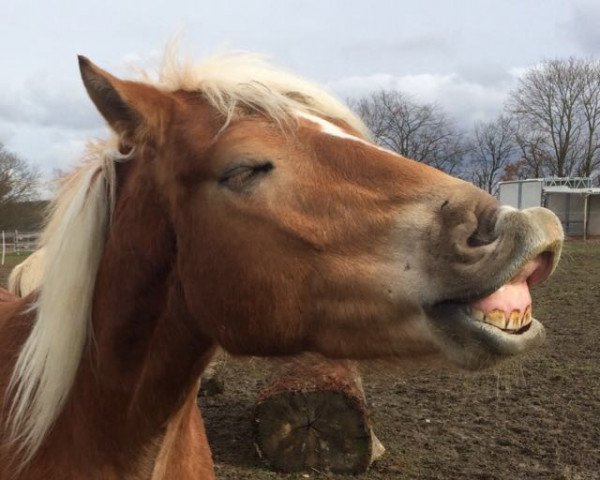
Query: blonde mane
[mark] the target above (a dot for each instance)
(27, 275)
(73, 242)
(75, 233)
(238, 82)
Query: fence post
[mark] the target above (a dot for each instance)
(3, 246)
(16, 241)
(585, 216)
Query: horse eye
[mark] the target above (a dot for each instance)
(241, 176)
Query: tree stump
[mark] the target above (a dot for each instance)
(313, 415)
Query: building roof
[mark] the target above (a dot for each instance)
(565, 189)
(576, 185)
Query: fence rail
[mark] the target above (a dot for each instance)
(15, 241)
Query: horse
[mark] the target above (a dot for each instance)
(27, 275)
(237, 204)
(6, 295)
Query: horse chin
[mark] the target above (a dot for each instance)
(474, 345)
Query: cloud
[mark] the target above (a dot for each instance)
(45, 100)
(50, 148)
(7, 132)
(583, 25)
(49, 124)
(43, 103)
(48, 120)
(414, 45)
(465, 100)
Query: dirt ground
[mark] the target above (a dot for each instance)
(535, 419)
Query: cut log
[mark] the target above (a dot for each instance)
(313, 415)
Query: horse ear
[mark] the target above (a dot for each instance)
(134, 110)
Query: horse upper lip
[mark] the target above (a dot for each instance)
(543, 268)
(545, 262)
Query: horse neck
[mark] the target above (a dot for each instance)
(147, 353)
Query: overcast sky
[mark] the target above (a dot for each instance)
(464, 55)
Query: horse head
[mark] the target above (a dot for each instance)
(293, 232)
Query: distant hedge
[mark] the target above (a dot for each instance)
(25, 216)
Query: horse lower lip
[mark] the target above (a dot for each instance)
(473, 344)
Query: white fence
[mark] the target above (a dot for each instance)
(16, 241)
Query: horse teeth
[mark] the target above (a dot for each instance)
(514, 320)
(497, 318)
(477, 314)
(527, 316)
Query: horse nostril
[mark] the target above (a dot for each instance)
(485, 232)
(477, 240)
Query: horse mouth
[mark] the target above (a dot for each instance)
(495, 324)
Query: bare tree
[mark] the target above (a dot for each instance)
(557, 106)
(590, 112)
(18, 180)
(493, 147)
(422, 132)
(516, 170)
(535, 157)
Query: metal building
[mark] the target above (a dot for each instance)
(573, 199)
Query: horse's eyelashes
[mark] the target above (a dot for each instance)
(264, 167)
(241, 176)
